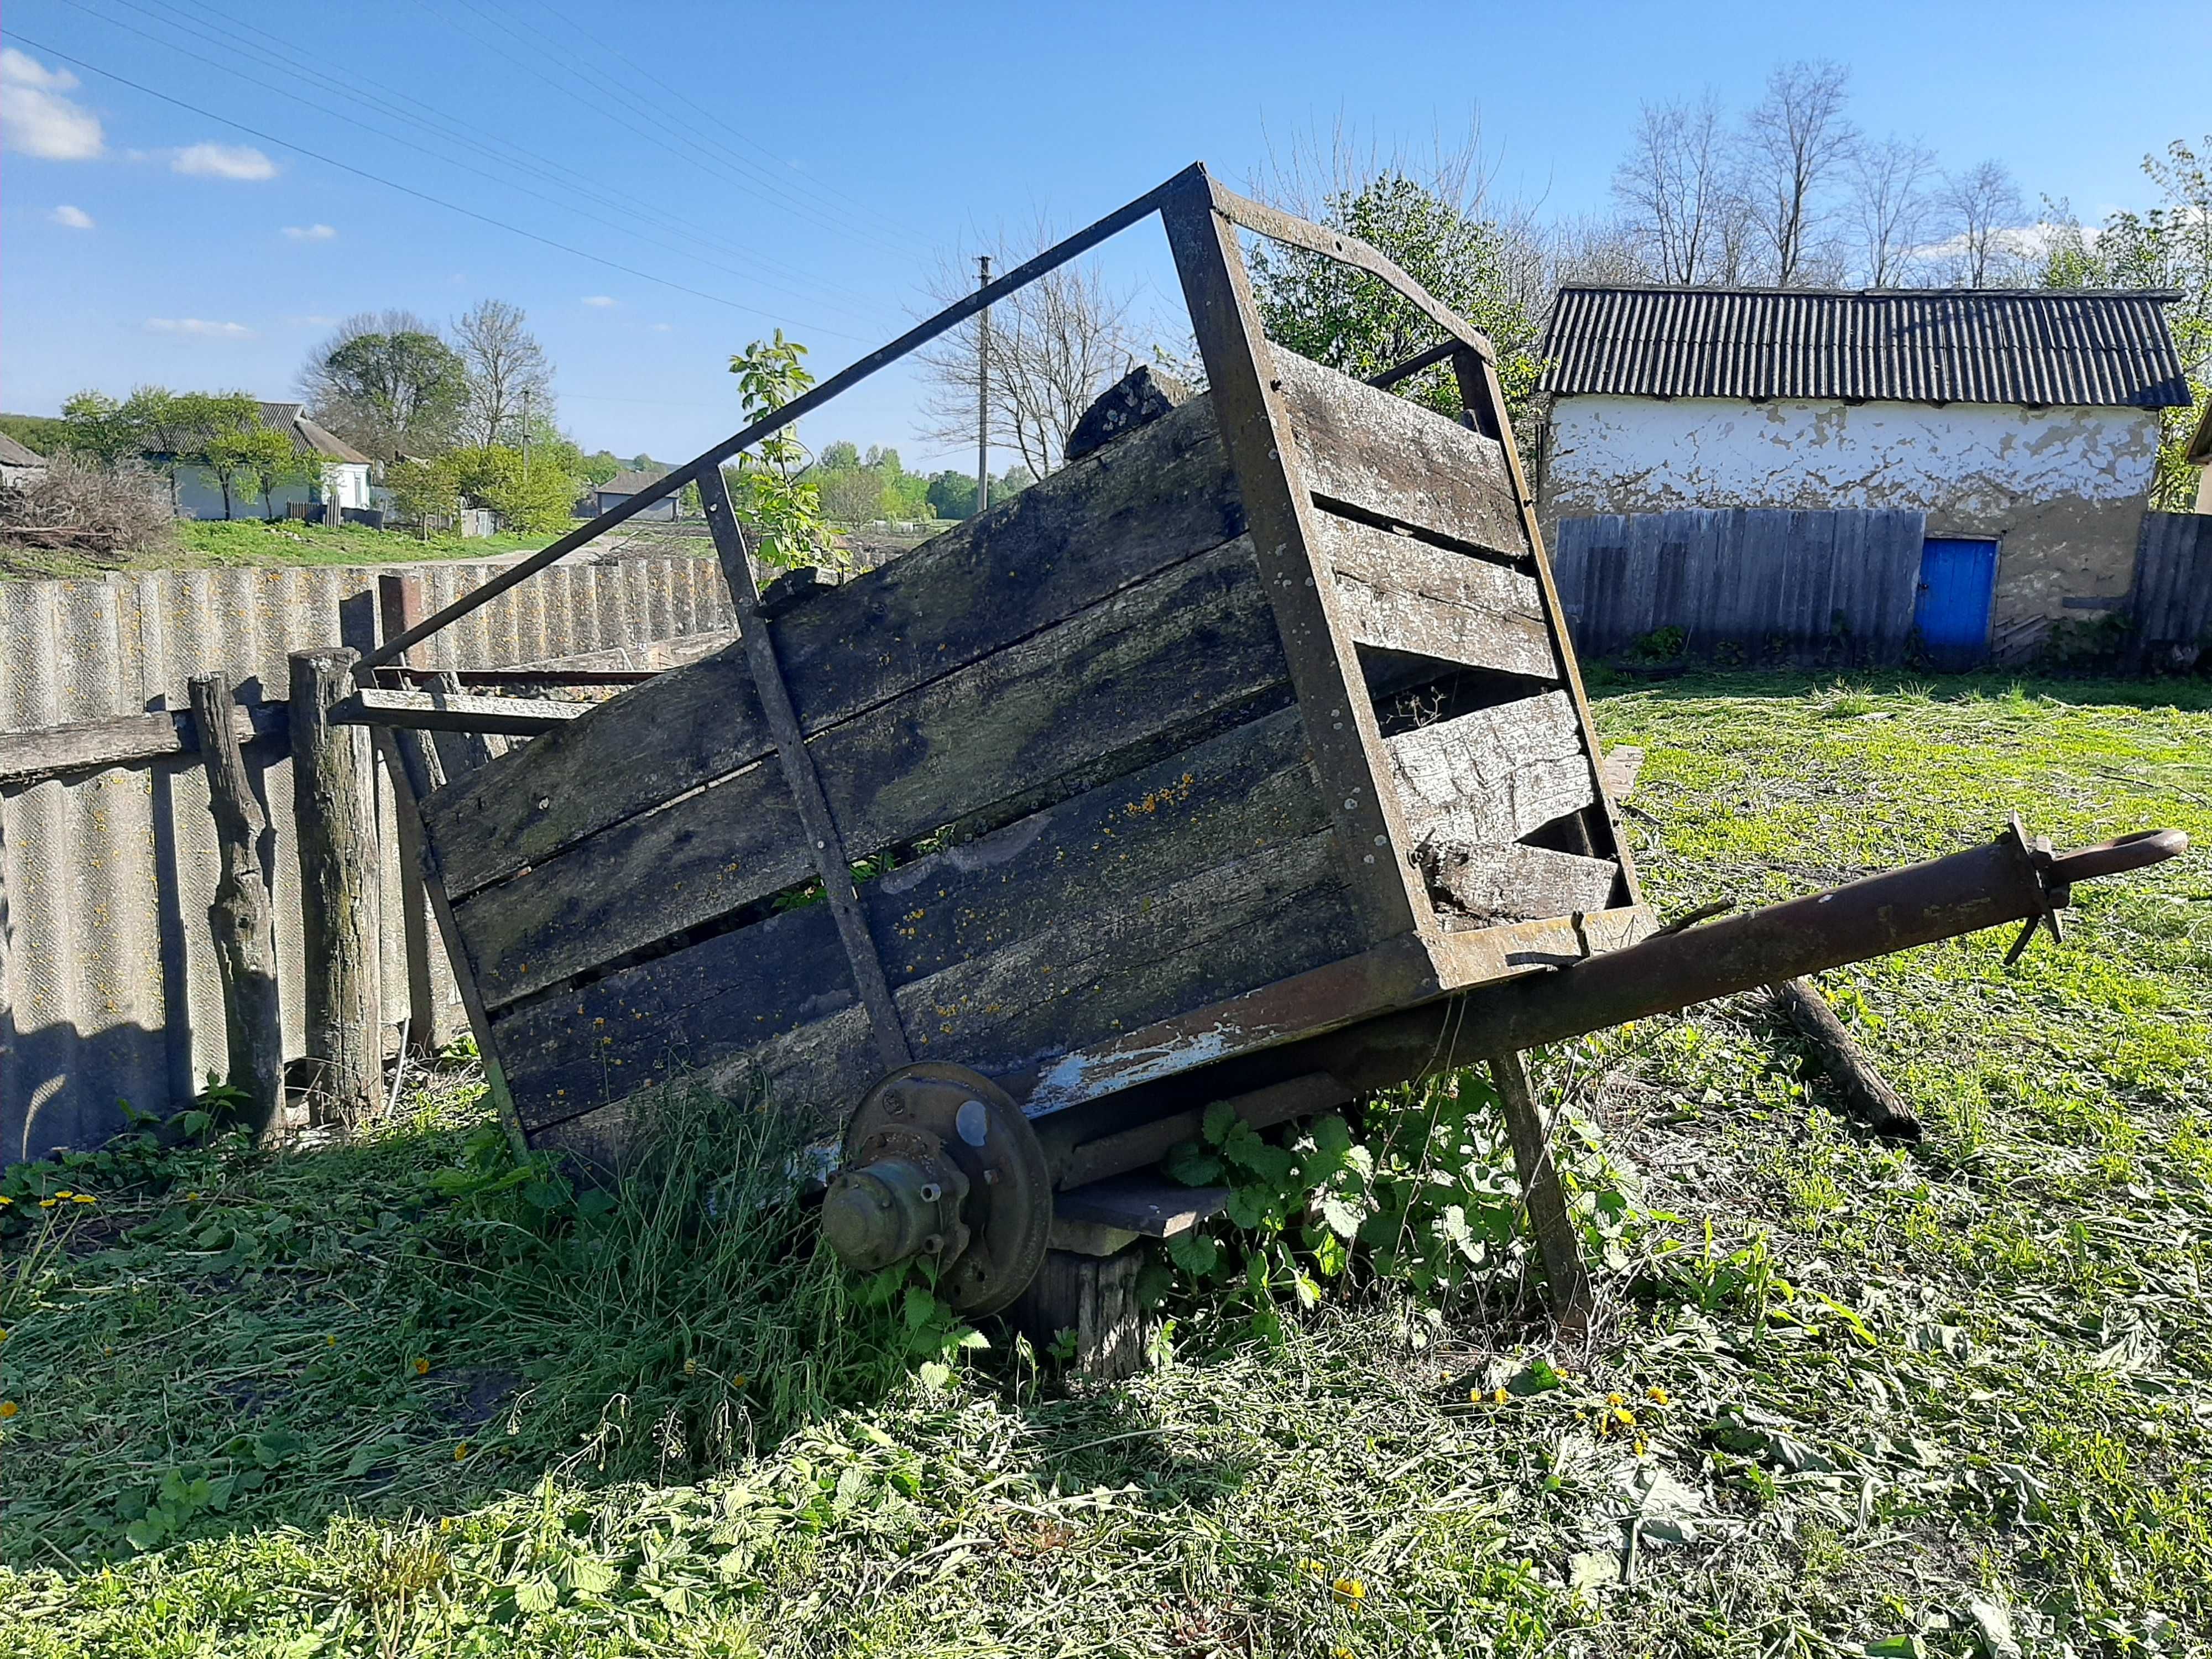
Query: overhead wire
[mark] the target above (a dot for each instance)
(409, 190)
(815, 293)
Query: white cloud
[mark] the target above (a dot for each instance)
(662, 328)
(310, 233)
(313, 322)
(75, 217)
(198, 325)
(35, 119)
(223, 161)
(598, 299)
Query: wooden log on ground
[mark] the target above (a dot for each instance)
(334, 814)
(1565, 1283)
(1866, 1094)
(243, 917)
(1094, 1300)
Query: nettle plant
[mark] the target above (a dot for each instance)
(1420, 1196)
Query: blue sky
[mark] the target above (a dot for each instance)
(804, 166)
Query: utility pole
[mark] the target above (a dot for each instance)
(525, 436)
(983, 389)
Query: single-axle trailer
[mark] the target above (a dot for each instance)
(1245, 758)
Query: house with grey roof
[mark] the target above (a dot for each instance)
(605, 497)
(330, 471)
(18, 464)
(2023, 424)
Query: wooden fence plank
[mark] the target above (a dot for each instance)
(1514, 883)
(341, 864)
(242, 917)
(90, 745)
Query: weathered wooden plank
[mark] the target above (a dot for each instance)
(88, 745)
(1620, 770)
(1494, 776)
(1394, 460)
(1147, 1205)
(1516, 883)
(1402, 594)
(1160, 496)
(1165, 657)
(457, 711)
(1478, 956)
(1236, 794)
(341, 898)
(242, 918)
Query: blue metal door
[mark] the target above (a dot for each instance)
(1957, 581)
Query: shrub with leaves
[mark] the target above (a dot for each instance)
(771, 484)
(1418, 1193)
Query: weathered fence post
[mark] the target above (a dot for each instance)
(243, 917)
(335, 816)
(399, 606)
(1568, 1286)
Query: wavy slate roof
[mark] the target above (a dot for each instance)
(1903, 346)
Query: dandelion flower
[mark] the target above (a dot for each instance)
(82, 1197)
(9, 1408)
(1499, 1396)
(66, 1193)
(47, 1203)
(460, 1451)
(192, 1198)
(1350, 1590)
(1314, 1567)
(422, 1367)
(1642, 1445)
(1625, 1417)
(1616, 1399)
(4, 1199)
(1658, 1395)
(1473, 1395)
(330, 1341)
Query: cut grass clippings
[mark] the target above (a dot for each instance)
(1844, 1397)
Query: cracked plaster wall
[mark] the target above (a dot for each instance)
(2064, 489)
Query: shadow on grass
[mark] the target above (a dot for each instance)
(226, 1340)
(1605, 680)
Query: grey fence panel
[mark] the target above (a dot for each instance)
(2171, 606)
(108, 990)
(1752, 582)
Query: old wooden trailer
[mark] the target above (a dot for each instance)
(1243, 758)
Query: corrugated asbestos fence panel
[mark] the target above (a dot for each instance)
(108, 990)
(1751, 584)
(2172, 608)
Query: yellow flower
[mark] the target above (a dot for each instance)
(690, 1368)
(82, 1197)
(1640, 1445)
(422, 1367)
(1658, 1395)
(1625, 1417)
(9, 1408)
(4, 1199)
(460, 1451)
(1499, 1396)
(64, 1193)
(1616, 1399)
(1314, 1567)
(330, 1341)
(46, 1203)
(1350, 1590)
(737, 1382)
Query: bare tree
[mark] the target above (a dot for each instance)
(1795, 141)
(1890, 202)
(1676, 189)
(1984, 209)
(1592, 250)
(507, 368)
(1055, 345)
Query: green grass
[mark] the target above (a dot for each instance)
(1947, 1399)
(216, 544)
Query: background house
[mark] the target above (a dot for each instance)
(332, 472)
(624, 484)
(2023, 426)
(18, 464)
(2200, 457)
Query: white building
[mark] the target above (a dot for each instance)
(2200, 457)
(2025, 425)
(332, 472)
(18, 464)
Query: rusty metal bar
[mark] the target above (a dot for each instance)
(823, 842)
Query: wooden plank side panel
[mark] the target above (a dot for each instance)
(1159, 496)
(1402, 594)
(1394, 460)
(1494, 776)
(1233, 797)
(1516, 883)
(1172, 656)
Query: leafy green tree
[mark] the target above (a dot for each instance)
(250, 459)
(2166, 247)
(952, 496)
(401, 393)
(423, 489)
(597, 467)
(539, 498)
(782, 504)
(839, 457)
(94, 427)
(1351, 321)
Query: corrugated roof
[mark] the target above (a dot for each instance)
(1905, 345)
(629, 482)
(315, 440)
(14, 454)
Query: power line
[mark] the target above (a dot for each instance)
(585, 187)
(409, 190)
